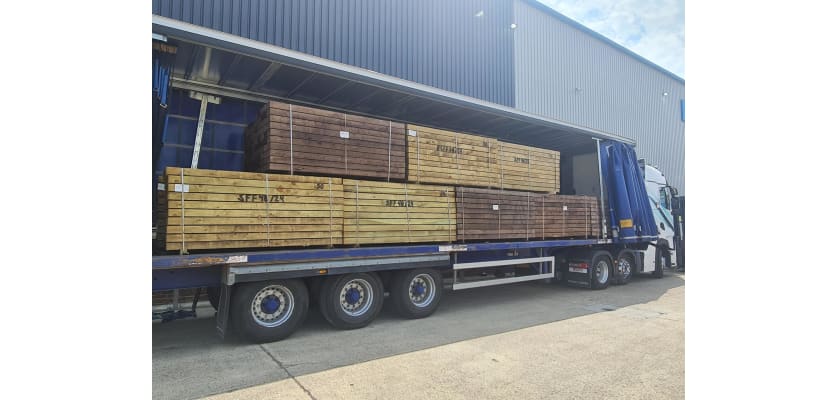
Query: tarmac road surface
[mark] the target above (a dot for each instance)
(528, 340)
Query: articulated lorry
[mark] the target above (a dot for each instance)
(264, 295)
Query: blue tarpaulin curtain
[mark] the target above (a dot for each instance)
(163, 57)
(630, 212)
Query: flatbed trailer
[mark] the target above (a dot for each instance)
(225, 270)
(265, 295)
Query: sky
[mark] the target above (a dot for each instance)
(653, 29)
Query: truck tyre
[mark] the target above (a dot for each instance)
(625, 266)
(416, 293)
(315, 288)
(351, 301)
(600, 270)
(269, 311)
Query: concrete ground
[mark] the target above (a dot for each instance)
(530, 340)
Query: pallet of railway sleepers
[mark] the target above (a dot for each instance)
(296, 139)
(209, 209)
(488, 214)
(528, 168)
(383, 212)
(451, 158)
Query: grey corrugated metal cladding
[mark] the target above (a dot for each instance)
(562, 71)
(464, 46)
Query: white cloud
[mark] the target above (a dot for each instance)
(654, 29)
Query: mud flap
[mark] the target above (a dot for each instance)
(577, 274)
(222, 317)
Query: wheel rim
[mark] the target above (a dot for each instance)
(602, 271)
(422, 290)
(626, 267)
(272, 306)
(356, 297)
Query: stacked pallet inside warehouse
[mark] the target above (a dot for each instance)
(209, 209)
(296, 139)
(451, 158)
(528, 168)
(488, 214)
(380, 212)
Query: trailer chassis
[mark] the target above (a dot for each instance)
(528, 260)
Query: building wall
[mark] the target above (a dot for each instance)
(439, 43)
(562, 72)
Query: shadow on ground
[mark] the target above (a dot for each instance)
(190, 361)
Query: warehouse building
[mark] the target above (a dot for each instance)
(450, 64)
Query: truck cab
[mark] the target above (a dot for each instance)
(661, 197)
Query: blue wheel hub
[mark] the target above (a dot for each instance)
(419, 289)
(352, 296)
(270, 304)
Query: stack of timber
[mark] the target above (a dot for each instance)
(528, 168)
(224, 209)
(486, 214)
(451, 158)
(381, 212)
(303, 140)
(569, 216)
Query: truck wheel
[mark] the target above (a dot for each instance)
(315, 288)
(624, 268)
(351, 301)
(416, 293)
(269, 311)
(600, 271)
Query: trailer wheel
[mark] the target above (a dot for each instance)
(624, 267)
(416, 293)
(351, 301)
(600, 270)
(269, 311)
